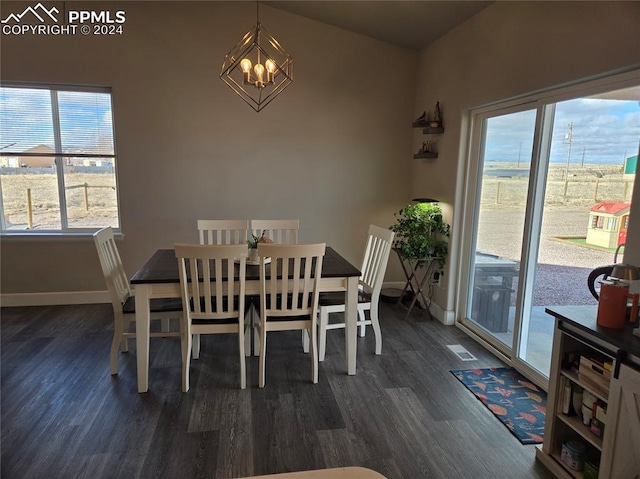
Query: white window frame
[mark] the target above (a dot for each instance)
(65, 229)
(467, 180)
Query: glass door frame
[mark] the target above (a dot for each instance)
(469, 179)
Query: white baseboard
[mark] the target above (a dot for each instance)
(444, 316)
(54, 298)
(93, 297)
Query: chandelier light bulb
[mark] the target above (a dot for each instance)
(245, 65)
(259, 69)
(271, 68)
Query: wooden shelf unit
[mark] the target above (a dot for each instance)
(428, 154)
(576, 332)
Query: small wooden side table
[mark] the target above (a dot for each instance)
(416, 283)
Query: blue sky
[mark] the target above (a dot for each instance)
(26, 119)
(604, 131)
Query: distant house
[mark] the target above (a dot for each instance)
(38, 161)
(608, 223)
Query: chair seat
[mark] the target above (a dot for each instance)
(337, 298)
(224, 320)
(157, 305)
(303, 317)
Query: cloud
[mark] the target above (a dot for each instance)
(603, 131)
(27, 119)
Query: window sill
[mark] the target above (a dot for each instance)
(50, 236)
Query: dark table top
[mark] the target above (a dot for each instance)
(584, 318)
(162, 267)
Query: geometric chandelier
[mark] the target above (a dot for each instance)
(258, 69)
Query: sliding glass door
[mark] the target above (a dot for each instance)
(505, 163)
(548, 199)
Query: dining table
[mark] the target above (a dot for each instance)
(159, 278)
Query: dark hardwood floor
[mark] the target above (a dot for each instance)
(403, 414)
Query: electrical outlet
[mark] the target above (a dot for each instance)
(436, 276)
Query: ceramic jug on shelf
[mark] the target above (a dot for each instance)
(612, 304)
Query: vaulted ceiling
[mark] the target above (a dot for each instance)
(411, 24)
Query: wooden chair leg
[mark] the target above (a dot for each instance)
(256, 339)
(186, 358)
(314, 354)
(196, 346)
(125, 326)
(248, 330)
(243, 369)
(376, 327)
(165, 325)
(361, 318)
(247, 339)
(118, 330)
(322, 339)
(263, 353)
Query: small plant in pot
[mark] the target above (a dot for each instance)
(252, 243)
(421, 233)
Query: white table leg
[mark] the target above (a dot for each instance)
(351, 324)
(143, 323)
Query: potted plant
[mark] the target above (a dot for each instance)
(252, 243)
(421, 233)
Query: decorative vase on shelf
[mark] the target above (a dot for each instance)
(252, 255)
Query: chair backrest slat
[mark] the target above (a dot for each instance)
(112, 268)
(211, 279)
(279, 231)
(375, 259)
(292, 289)
(223, 231)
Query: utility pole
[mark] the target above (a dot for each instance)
(569, 138)
(519, 151)
(584, 148)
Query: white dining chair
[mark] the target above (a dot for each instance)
(374, 265)
(213, 298)
(291, 302)
(223, 231)
(279, 231)
(123, 300)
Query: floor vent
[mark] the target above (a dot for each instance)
(462, 353)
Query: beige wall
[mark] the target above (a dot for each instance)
(507, 50)
(334, 150)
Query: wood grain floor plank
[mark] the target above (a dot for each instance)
(403, 414)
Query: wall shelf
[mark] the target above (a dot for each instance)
(428, 155)
(427, 130)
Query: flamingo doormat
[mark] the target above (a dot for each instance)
(518, 403)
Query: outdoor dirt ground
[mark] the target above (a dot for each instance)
(563, 268)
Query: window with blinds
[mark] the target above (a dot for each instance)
(58, 161)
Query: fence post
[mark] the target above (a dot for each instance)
(498, 193)
(626, 189)
(86, 197)
(29, 210)
(595, 191)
